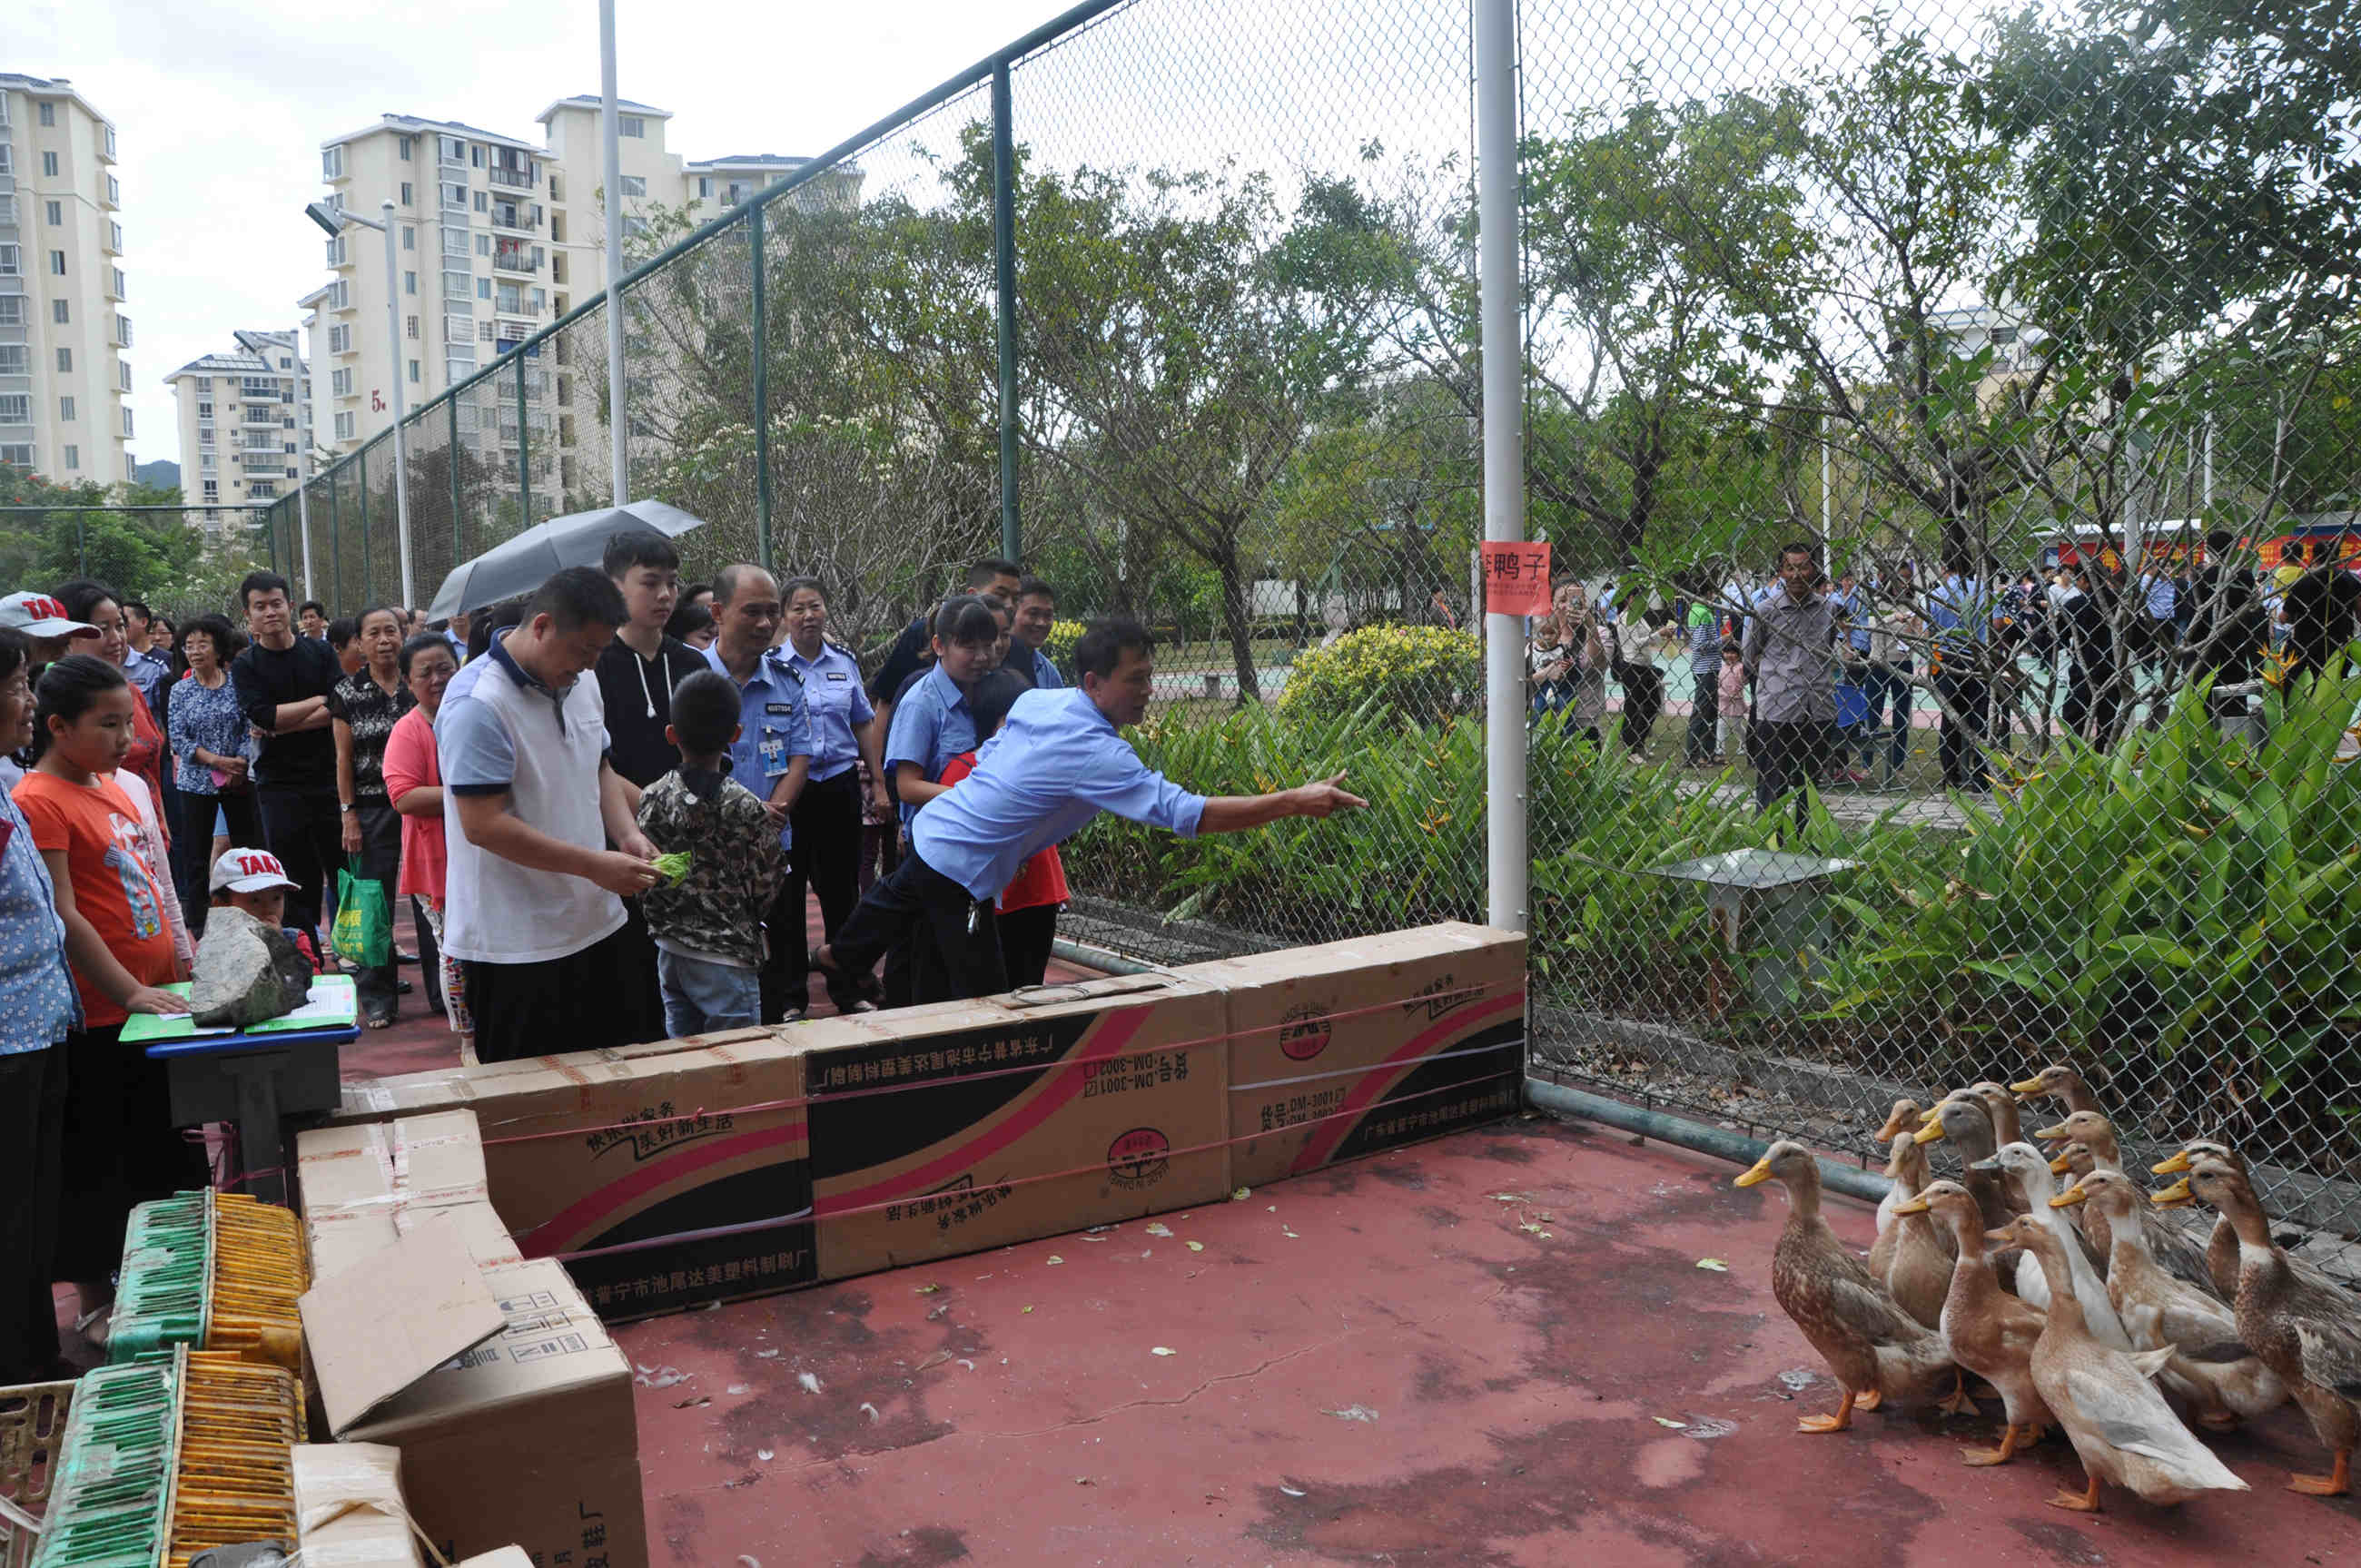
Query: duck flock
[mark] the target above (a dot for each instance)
(2123, 1316)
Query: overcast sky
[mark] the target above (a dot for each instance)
(221, 109)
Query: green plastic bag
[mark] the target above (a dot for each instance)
(364, 932)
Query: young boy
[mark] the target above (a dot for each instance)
(1027, 908)
(254, 881)
(708, 925)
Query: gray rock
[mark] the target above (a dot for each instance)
(246, 973)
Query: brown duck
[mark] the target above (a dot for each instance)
(1990, 1332)
(1873, 1348)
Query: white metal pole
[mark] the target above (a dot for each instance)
(610, 128)
(1509, 860)
(304, 434)
(400, 404)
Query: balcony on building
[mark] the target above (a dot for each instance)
(514, 179)
(523, 216)
(511, 256)
(258, 416)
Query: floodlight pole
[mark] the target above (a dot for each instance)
(1507, 849)
(611, 132)
(401, 405)
(303, 433)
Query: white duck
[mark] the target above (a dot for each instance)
(2030, 1166)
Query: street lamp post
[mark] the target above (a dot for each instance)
(334, 219)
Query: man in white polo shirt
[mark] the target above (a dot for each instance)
(532, 896)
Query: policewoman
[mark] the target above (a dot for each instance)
(772, 756)
(827, 816)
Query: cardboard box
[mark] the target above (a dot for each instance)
(949, 1129)
(1350, 1047)
(661, 1177)
(527, 1439)
(348, 1507)
(366, 1186)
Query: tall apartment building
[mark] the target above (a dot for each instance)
(243, 419)
(498, 239)
(62, 326)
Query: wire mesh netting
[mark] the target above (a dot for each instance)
(2031, 334)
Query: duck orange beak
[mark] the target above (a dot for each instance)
(2051, 1135)
(2030, 1086)
(2060, 1166)
(1928, 1117)
(1894, 1126)
(1911, 1206)
(1760, 1171)
(2174, 1167)
(2068, 1198)
(1930, 1133)
(2174, 1196)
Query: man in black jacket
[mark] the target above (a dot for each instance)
(2322, 607)
(2227, 631)
(282, 683)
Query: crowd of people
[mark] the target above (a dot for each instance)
(610, 805)
(1763, 661)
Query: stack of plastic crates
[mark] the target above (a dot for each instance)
(216, 1271)
(32, 1428)
(171, 1456)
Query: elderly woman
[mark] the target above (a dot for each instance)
(413, 783)
(1567, 661)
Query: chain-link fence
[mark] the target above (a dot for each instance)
(2035, 331)
(181, 561)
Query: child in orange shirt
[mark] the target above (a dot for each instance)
(1028, 905)
(121, 1145)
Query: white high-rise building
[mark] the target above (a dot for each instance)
(497, 240)
(63, 329)
(244, 420)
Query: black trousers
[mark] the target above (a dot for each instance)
(573, 1004)
(32, 1155)
(121, 1149)
(379, 985)
(827, 858)
(194, 828)
(638, 990)
(786, 975)
(1788, 755)
(1704, 714)
(1965, 698)
(955, 938)
(306, 831)
(430, 954)
(1026, 935)
(1643, 699)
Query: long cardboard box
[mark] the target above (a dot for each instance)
(1353, 1047)
(527, 1438)
(662, 1177)
(952, 1128)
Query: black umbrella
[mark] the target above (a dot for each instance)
(522, 565)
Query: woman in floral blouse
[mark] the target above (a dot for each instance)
(364, 707)
(213, 747)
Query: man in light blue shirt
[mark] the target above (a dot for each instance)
(771, 755)
(1060, 761)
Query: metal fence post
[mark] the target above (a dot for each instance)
(1508, 850)
(457, 554)
(335, 545)
(1003, 272)
(754, 224)
(524, 450)
(364, 538)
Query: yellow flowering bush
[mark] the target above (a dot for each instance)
(1413, 673)
(1064, 635)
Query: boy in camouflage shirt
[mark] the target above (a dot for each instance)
(708, 925)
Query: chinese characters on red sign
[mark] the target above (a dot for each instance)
(1517, 578)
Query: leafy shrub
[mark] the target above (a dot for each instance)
(2186, 916)
(1413, 673)
(1064, 635)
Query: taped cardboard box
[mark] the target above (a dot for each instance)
(365, 1187)
(348, 1507)
(662, 1179)
(953, 1128)
(442, 1088)
(526, 1437)
(1350, 1047)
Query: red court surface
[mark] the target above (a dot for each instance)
(1462, 1353)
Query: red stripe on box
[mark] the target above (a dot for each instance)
(1323, 1145)
(595, 1213)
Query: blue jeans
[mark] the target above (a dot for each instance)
(702, 996)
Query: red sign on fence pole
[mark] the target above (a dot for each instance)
(1516, 578)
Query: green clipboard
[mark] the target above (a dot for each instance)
(333, 1004)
